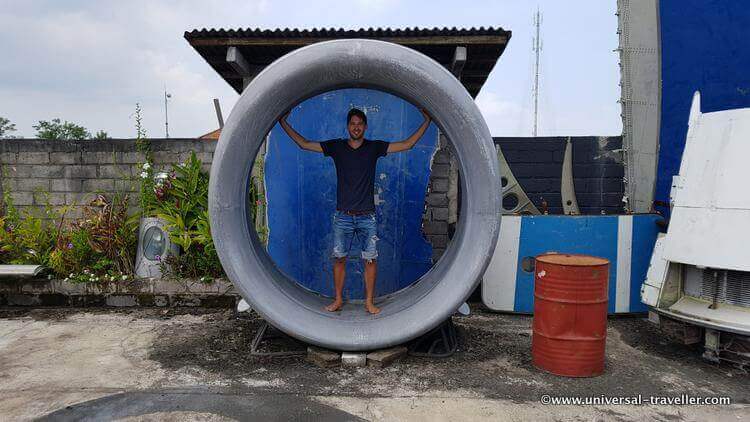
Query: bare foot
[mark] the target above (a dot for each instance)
(335, 306)
(371, 308)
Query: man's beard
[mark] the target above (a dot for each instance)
(356, 137)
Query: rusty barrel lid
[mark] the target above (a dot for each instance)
(572, 260)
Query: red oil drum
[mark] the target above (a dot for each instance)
(570, 314)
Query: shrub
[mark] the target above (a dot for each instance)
(28, 239)
(101, 244)
(182, 202)
(98, 247)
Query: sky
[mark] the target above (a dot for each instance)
(90, 62)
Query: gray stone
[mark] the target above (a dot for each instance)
(47, 170)
(33, 157)
(19, 171)
(23, 300)
(437, 199)
(322, 357)
(385, 357)
(80, 172)
(166, 157)
(8, 157)
(126, 185)
(102, 157)
(44, 198)
(434, 227)
(440, 170)
(439, 214)
(115, 171)
(94, 185)
(65, 185)
(122, 300)
(440, 185)
(65, 157)
(438, 241)
(441, 157)
(130, 157)
(28, 185)
(187, 301)
(22, 198)
(78, 198)
(353, 359)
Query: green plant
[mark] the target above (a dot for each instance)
(143, 145)
(57, 130)
(101, 135)
(6, 127)
(182, 202)
(100, 246)
(29, 238)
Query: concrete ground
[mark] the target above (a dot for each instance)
(157, 364)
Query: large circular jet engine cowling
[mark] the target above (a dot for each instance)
(355, 63)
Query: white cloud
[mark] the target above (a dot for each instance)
(503, 117)
(90, 61)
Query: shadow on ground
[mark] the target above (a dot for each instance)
(198, 405)
(494, 361)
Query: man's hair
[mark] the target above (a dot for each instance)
(356, 112)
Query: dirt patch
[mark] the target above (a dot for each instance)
(62, 313)
(494, 361)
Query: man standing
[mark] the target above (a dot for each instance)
(355, 160)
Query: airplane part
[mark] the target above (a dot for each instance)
(355, 63)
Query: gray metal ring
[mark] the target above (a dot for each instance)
(355, 63)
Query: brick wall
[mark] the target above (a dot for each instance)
(71, 172)
(598, 171)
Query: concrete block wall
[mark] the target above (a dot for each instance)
(435, 221)
(71, 173)
(598, 171)
(598, 177)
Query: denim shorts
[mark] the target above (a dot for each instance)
(348, 229)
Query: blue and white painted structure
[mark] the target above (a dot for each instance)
(301, 193)
(627, 241)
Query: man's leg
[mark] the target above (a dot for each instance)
(339, 273)
(343, 230)
(369, 231)
(371, 273)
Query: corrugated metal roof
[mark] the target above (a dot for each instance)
(260, 47)
(343, 33)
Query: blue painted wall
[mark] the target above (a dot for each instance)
(301, 191)
(589, 235)
(704, 46)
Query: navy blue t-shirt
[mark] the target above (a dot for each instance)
(355, 172)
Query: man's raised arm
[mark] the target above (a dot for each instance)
(409, 142)
(297, 138)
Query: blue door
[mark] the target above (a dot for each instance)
(301, 193)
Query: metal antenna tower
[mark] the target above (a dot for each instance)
(167, 96)
(536, 48)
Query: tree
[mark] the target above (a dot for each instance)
(57, 130)
(6, 127)
(101, 135)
